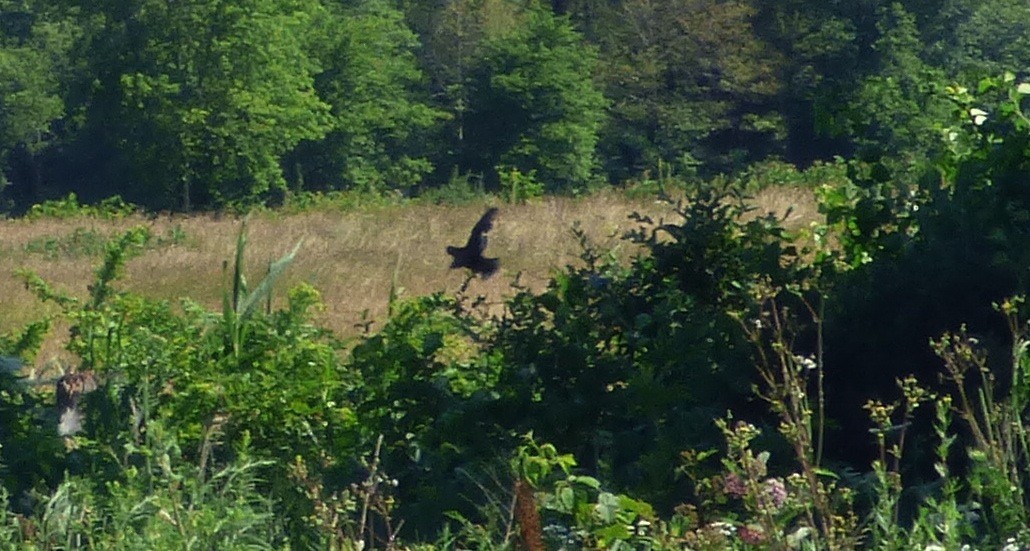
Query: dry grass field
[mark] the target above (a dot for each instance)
(351, 257)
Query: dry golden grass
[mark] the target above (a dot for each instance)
(796, 205)
(350, 257)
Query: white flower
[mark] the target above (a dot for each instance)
(724, 528)
(795, 539)
(806, 362)
(979, 116)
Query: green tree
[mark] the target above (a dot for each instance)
(454, 42)
(821, 44)
(896, 111)
(201, 100)
(692, 83)
(380, 112)
(33, 54)
(990, 37)
(534, 106)
(452, 33)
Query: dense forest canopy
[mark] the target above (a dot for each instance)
(207, 103)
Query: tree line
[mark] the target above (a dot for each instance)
(205, 103)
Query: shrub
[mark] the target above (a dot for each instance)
(459, 188)
(69, 207)
(261, 383)
(773, 172)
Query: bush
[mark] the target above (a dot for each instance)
(459, 189)
(69, 207)
(933, 256)
(220, 387)
(773, 172)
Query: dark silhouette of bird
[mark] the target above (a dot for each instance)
(471, 255)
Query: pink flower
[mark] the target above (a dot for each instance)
(751, 534)
(734, 485)
(774, 492)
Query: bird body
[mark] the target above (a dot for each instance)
(471, 255)
(70, 390)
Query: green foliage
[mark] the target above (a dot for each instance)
(427, 385)
(662, 183)
(459, 189)
(379, 119)
(27, 458)
(209, 388)
(241, 428)
(239, 305)
(112, 208)
(713, 253)
(135, 98)
(349, 200)
(29, 94)
(828, 176)
(761, 507)
(1000, 474)
(33, 58)
(986, 38)
(81, 242)
(223, 509)
(167, 503)
(943, 520)
(681, 86)
(896, 111)
(866, 215)
(117, 253)
(25, 344)
(957, 234)
(578, 511)
(203, 130)
(623, 366)
(540, 464)
(534, 106)
(517, 187)
(595, 364)
(890, 426)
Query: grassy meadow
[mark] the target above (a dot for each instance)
(351, 256)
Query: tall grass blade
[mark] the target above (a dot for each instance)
(275, 270)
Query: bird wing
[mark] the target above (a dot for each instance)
(477, 239)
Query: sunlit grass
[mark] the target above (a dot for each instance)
(352, 257)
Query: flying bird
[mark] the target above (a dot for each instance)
(471, 255)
